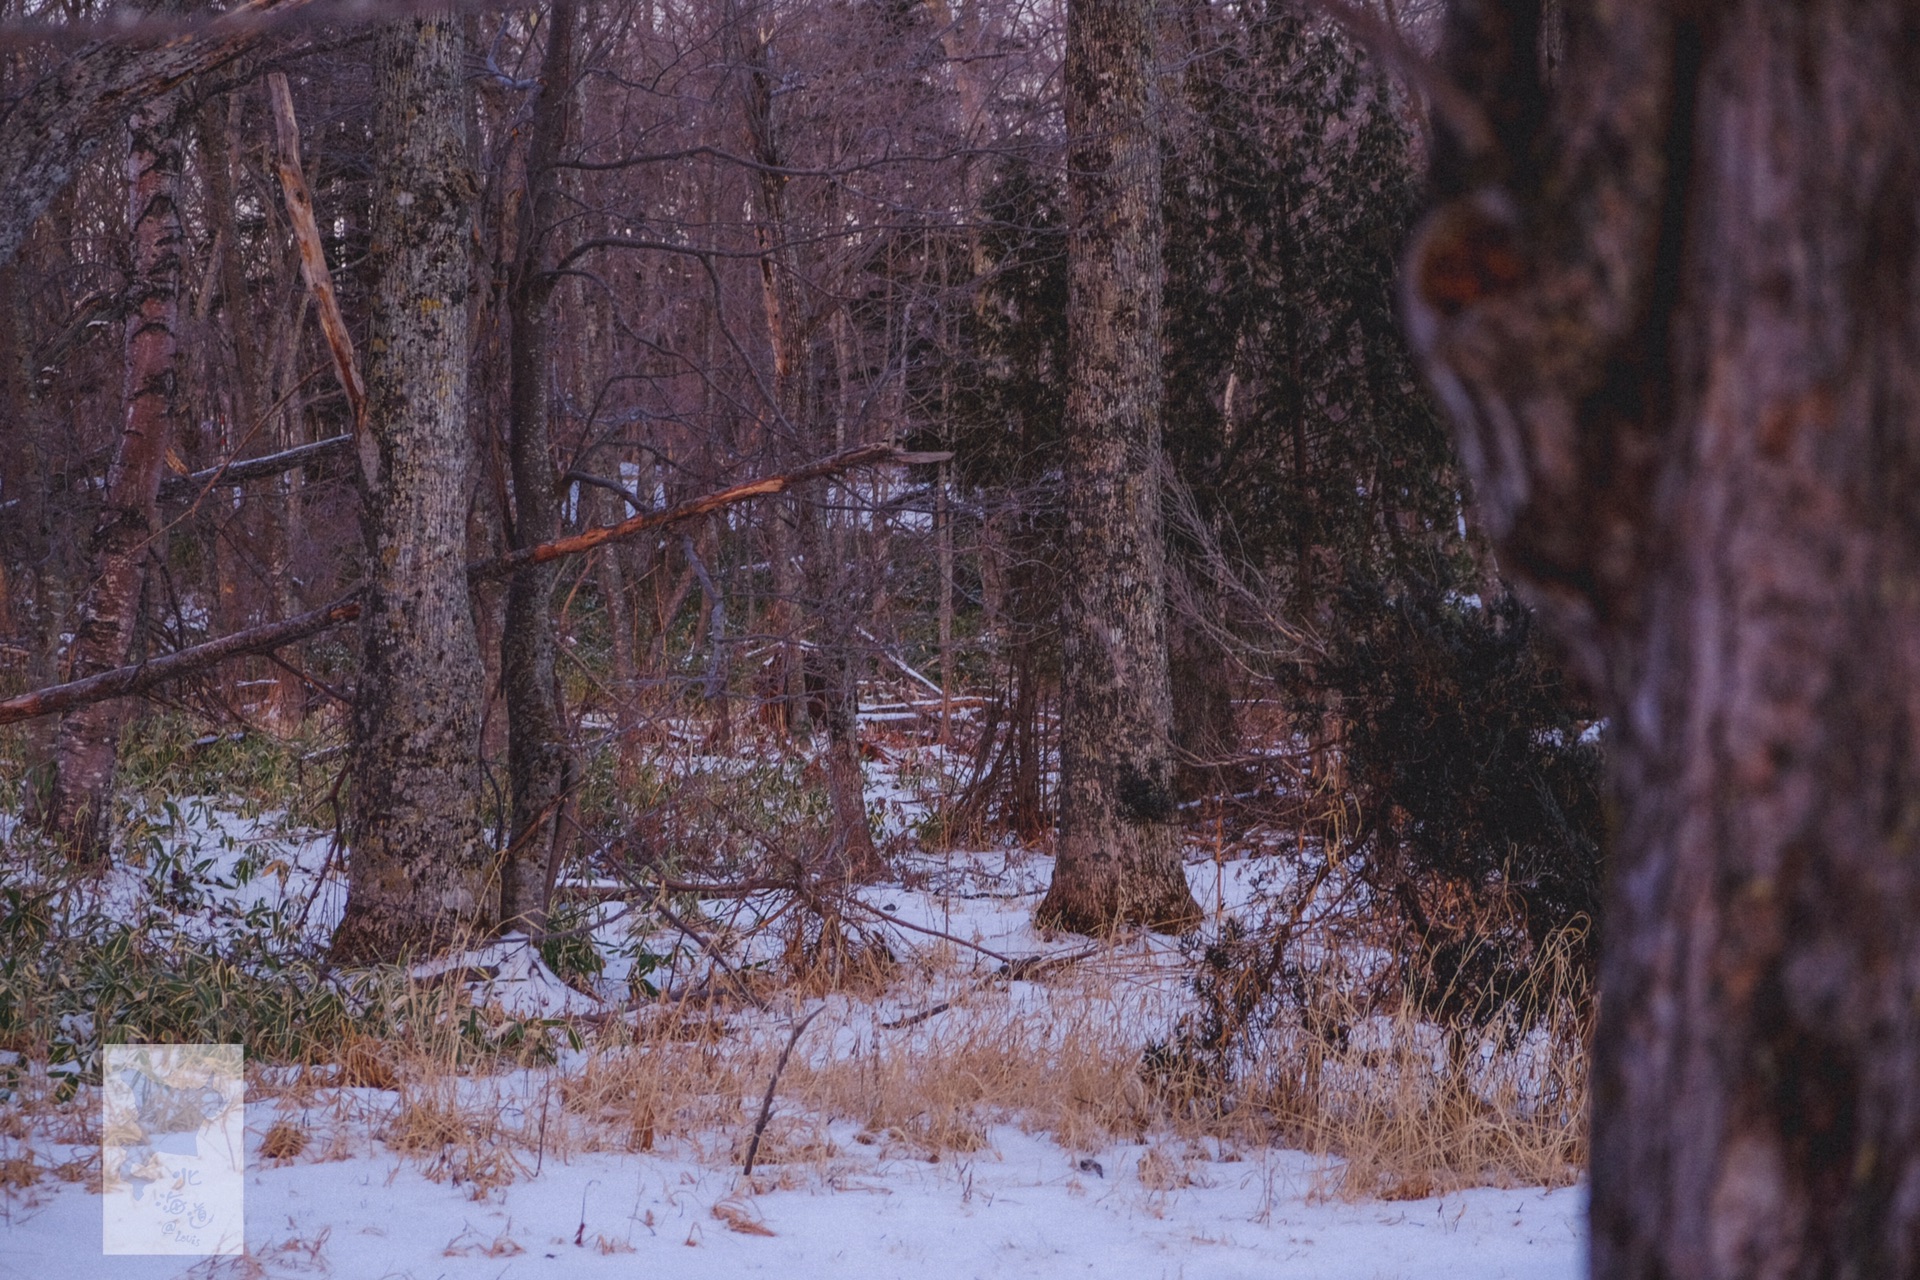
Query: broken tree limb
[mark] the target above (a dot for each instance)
(271, 464)
(587, 540)
(900, 662)
(313, 266)
(1022, 969)
(139, 678)
(130, 681)
(766, 1103)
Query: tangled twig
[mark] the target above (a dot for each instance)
(766, 1103)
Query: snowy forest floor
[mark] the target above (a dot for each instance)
(964, 1095)
(1018, 1208)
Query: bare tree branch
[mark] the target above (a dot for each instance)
(271, 464)
(313, 266)
(138, 678)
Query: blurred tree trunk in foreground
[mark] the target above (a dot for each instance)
(1672, 303)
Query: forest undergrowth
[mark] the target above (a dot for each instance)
(692, 949)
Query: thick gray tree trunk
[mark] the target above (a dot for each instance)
(1119, 842)
(1673, 305)
(420, 870)
(76, 805)
(537, 756)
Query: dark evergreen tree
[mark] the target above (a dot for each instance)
(1318, 466)
(1294, 413)
(1009, 404)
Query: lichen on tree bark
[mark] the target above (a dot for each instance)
(1118, 856)
(420, 873)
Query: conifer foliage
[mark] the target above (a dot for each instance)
(1476, 774)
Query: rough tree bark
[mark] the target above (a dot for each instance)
(419, 876)
(610, 574)
(1118, 859)
(76, 804)
(537, 756)
(1672, 303)
(52, 129)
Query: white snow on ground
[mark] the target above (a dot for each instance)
(1023, 1206)
(1021, 1209)
(518, 982)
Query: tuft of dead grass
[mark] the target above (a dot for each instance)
(19, 1172)
(735, 1215)
(368, 1063)
(283, 1141)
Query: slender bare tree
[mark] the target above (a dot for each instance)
(77, 800)
(537, 758)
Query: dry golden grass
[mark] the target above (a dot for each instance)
(283, 1141)
(1411, 1109)
(367, 1063)
(1067, 1068)
(467, 1145)
(19, 1171)
(1400, 1109)
(737, 1216)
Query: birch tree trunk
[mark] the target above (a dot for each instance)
(1118, 860)
(78, 804)
(537, 757)
(1672, 303)
(419, 875)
